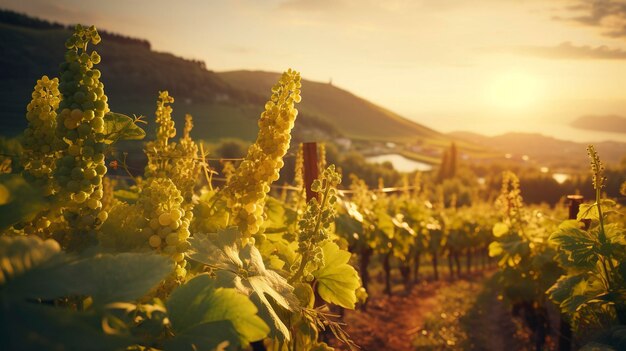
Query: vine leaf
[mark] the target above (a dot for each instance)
(204, 315)
(590, 211)
(580, 247)
(18, 200)
(245, 270)
(337, 281)
(499, 229)
(107, 278)
(40, 327)
(571, 292)
(121, 127)
(33, 270)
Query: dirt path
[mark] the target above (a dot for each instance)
(392, 323)
(389, 323)
(489, 324)
(464, 314)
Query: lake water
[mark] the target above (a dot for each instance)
(560, 177)
(401, 163)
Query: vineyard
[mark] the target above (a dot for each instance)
(187, 256)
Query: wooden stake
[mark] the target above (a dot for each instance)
(565, 329)
(311, 171)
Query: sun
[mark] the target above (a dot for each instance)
(514, 90)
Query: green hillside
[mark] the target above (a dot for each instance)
(132, 73)
(223, 104)
(351, 115)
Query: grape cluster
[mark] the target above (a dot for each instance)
(510, 201)
(176, 161)
(321, 163)
(316, 221)
(297, 197)
(246, 190)
(165, 224)
(39, 137)
(228, 170)
(108, 189)
(597, 168)
(80, 127)
(166, 129)
(186, 165)
(156, 221)
(158, 150)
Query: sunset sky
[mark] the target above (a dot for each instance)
(484, 65)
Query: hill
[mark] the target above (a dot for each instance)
(353, 116)
(544, 149)
(610, 123)
(132, 73)
(223, 104)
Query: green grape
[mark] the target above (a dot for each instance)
(155, 241)
(40, 156)
(103, 215)
(80, 197)
(264, 159)
(165, 219)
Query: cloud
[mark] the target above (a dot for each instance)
(607, 15)
(565, 50)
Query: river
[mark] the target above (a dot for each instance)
(401, 163)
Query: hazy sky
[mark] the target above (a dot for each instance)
(485, 65)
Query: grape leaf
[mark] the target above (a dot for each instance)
(19, 200)
(203, 314)
(244, 270)
(495, 249)
(337, 281)
(580, 247)
(275, 212)
(499, 229)
(562, 290)
(126, 195)
(107, 278)
(121, 127)
(33, 269)
(590, 211)
(21, 254)
(41, 327)
(582, 292)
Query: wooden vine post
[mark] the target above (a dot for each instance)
(565, 329)
(311, 171)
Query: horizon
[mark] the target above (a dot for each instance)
(482, 71)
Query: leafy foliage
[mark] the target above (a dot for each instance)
(337, 280)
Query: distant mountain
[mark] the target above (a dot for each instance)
(223, 104)
(610, 123)
(545, 149)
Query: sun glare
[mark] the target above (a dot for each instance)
(514, 90)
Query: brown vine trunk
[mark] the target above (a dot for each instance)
(435, 270)
(469, 260)
(458, 264)
(387, 270)
(405, 271)
(416, 271)
(451, 264)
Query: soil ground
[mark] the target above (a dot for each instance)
(461, 314)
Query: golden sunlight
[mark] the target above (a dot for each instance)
(514, 90)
